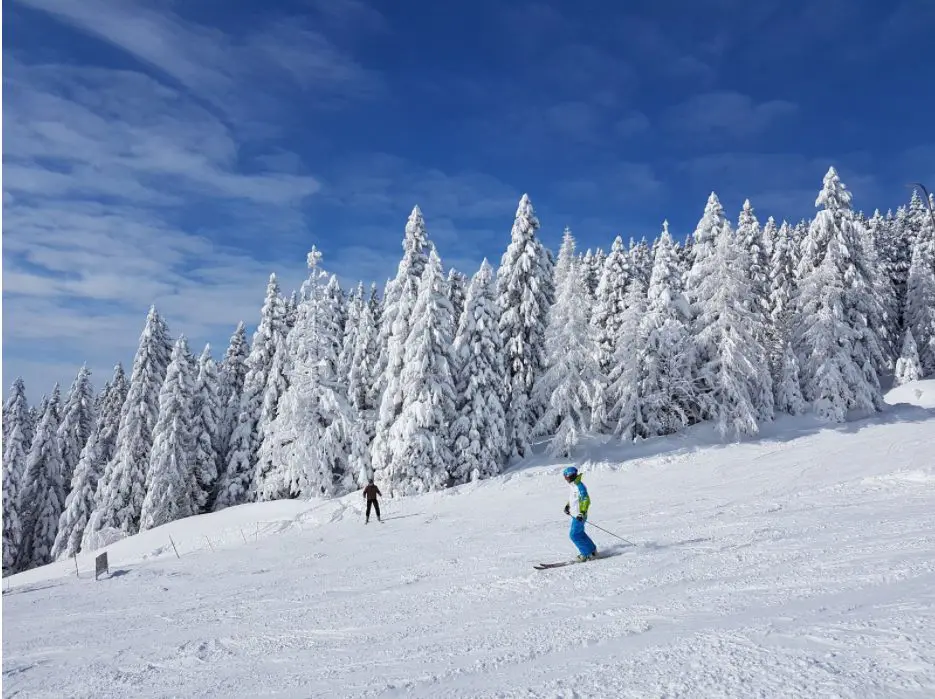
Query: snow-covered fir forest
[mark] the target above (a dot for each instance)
(446, 378)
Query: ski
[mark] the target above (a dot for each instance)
(607, 553)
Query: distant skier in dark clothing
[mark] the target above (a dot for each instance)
(370, 494)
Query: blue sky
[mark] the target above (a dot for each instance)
(178, 152)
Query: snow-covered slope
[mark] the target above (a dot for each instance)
(799, 565)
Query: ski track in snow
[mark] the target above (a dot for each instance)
(791, 566)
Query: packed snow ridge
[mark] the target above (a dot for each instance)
(801, 564)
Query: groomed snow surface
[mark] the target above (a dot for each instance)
(798, 565)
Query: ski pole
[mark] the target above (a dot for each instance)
(608, 532)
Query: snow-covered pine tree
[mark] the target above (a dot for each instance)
(376, 306)
(567, 385)
(97, 452)
(457, 289)
(277, 383)
(362, 394)
(292, 305)
(751, 238)
(596, 270)
(729, 334)
(108, 422)
(610, 304)
(875, 278)
(308, 439)
(641, 261)
(123, 486)
(206, 419)
(171, 482)
(667, 393)
(784, 368)
(15, 452)
(625, 379)
(787, 382)
(77, 421)
(338, 302)
(704, 241)
(80, 501)
(479, 432)
(919, 314)
(236, 480)
(421, 438)
(879, 230)
(32, 422)
(395, 323)
(42, 494)
(712, 226)
(524, 296)
(838, 310)
(590, 273)
(355, 305)
(231, 375)
(908, 366)
(770, 231)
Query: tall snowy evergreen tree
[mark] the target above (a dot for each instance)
(667, 393)
(292, 306)
(308, 439)
(77, 421)
(919, 315)
(338, 302)
(206, 420)
(838, 311)
(457, 289)
(97, 452)
(171, 482)
(276, 385)
(231, 376)
(641, 261)
(235, 482)
(15, 452)
(396, 321)
(751, 238)
(524, 296)
(878, 228)
(479, 432)
(908, 366)
(610, 303)
(123, 485)
(712, 226)
(355, 306)
(362, 394)
(625, 378)
(572, 374)
(729, 333)
(421, 437)
(42, 495)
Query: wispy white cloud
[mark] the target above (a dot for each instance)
(114, 189)
(725, 114)
(214, 64)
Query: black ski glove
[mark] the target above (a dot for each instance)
(580, 518)
(567, 511)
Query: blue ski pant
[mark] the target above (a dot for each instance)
(580, 538)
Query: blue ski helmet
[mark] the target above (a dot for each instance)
(570, 472)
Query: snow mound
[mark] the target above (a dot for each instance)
(919, 393)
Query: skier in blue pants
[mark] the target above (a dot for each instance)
(579, 502)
